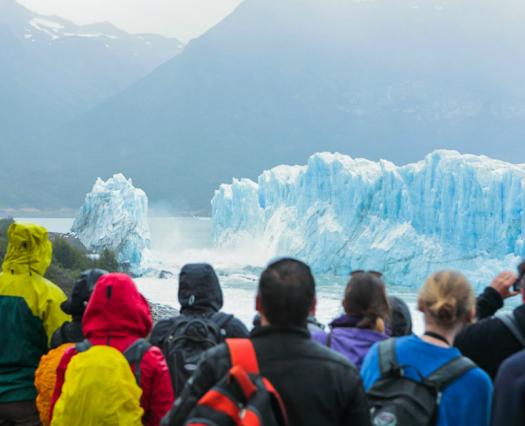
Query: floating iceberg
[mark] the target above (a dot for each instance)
(115, 216)
(338, 214)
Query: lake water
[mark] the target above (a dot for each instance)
(179, 240)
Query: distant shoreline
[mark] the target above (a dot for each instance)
(71, 214)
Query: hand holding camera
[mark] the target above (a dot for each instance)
(507, 284)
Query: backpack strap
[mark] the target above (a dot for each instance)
(329, 339)
(242, 354)
(83, 346)
(449, 372)
(509, 320)
(387, 356)
(134, 354)
(221, 320)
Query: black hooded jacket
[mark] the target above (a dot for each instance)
(200, 294)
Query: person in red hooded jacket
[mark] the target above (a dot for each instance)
(117, 315)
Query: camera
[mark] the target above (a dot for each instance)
(517, 284)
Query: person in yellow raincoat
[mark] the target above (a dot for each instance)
(29, 315)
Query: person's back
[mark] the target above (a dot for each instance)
(117, 315)
(509, 392)
(363, 324)
(317, 385)
(200, 325)
(474, 339)
(29, 315)
(447, 302)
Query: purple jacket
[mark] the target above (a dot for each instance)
(350, 341)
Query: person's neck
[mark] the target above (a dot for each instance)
(448, 334)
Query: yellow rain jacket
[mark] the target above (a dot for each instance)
(29, 310)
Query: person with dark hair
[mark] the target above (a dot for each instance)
(75, 305)
(400, 322)
(363, 324)
(503, 333)
(317, 385)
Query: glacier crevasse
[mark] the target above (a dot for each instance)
(339, 213)
(115, 216)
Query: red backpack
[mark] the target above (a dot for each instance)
(242, 397)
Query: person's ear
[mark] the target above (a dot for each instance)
(258, 304)
(420, 306)
(313, 307)
(471, 315)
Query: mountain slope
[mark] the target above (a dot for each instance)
(278, 80)
(53, 69)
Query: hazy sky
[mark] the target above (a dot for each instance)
(184, 19)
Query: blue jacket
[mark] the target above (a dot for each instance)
(466, 402)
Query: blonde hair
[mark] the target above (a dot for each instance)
(447, 297)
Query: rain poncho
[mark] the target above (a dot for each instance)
(29, 310)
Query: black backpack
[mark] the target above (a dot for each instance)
(187, 340)
(398, 400)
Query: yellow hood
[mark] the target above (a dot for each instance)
(28, 249)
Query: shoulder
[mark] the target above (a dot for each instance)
(154, 352)
(233, 326)
(514, 365)
(154, 358)
(164, 325)
(330, 357)
(54, 292)
(475, 378)
(482, 326)
(161, 329)
(319, 336)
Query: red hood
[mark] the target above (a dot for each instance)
(116, 309)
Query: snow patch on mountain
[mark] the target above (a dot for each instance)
(339, 213)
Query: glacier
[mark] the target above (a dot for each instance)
(115, 216)
(339, 214)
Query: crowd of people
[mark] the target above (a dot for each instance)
(96, 358)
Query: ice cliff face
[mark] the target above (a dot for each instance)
(339, 213)
(115, 216)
